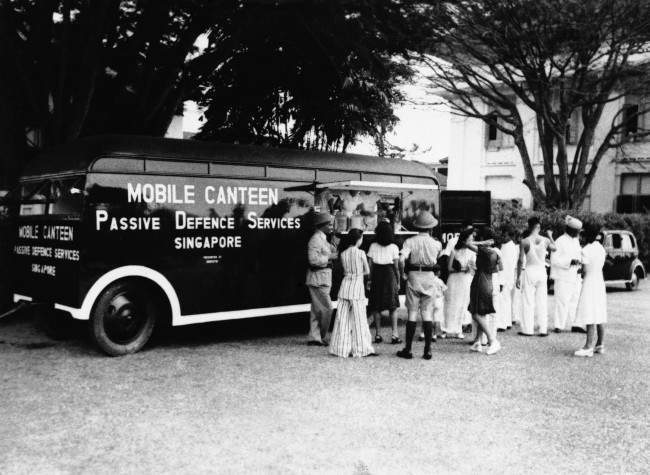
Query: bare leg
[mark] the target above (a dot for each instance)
(479, 331)
(377, 318)
(600, 328)
(483, 326)
(591, 333)
(393, 320)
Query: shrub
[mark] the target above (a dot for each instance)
(511, 212)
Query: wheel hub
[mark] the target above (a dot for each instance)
(124, 319)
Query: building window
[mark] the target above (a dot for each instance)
(636, 118)
(492, 127)
(631, 119)
(495, 139)
(635, 193)
(574, 128)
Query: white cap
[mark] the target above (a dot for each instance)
(573, 223)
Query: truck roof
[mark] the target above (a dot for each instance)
(79, 156)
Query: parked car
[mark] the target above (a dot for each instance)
(622, 265)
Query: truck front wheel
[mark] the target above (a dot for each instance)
(123, 318)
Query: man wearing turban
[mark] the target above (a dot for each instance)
(565, 263)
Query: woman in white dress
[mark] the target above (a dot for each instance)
(462, 261)
(592, 306)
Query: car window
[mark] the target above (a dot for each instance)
(626, 243)
(608, 241)
(616, 241)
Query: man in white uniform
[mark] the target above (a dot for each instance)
(565, 262)
(509, 255)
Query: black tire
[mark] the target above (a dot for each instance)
(634, 282)
(123, 317)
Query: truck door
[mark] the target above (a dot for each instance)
(458, 206)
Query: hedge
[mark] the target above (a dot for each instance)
(511, 212)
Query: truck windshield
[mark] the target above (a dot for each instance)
(53, 197)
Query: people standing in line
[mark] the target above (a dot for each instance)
(384, 280)
(488, 263)
(565, 263)
(462, 261)
(418, 258)
(351, 333)
(592, 304)
(320, 254)
(507, 278)
(531, 278)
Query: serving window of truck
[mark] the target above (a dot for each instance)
(126, 231)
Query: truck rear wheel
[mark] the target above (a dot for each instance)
(123, 318)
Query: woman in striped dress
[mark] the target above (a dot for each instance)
(351, 335)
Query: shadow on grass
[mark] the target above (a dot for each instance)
(30, 329)
(231, 330)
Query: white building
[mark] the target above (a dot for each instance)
(482, 157)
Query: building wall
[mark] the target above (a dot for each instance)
(475, 163)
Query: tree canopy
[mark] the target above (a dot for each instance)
(298, 73)
(308, 74)
(556, 57)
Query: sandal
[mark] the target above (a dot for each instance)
(378, 339)
(395, 340)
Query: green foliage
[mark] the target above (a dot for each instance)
(512, 213)
(303, 74)
(310, 75)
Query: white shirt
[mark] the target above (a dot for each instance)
(383, 254)
(568, 248)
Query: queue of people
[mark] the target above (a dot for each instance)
(492, 284)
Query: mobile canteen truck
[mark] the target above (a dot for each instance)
(129, 232)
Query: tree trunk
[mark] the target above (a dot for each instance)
(530, 181)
